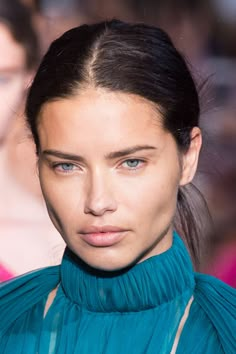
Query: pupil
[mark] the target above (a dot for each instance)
(66, 166)
(133, 163)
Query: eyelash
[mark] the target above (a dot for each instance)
(59, 166)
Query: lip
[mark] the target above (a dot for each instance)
(102, 236)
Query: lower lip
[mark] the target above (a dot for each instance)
(103, 239)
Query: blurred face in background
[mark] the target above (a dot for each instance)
(13, 79)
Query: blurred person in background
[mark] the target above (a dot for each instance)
(221, 192)
(53, 17)
(26, 238)
(19, 55)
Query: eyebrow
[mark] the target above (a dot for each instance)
(110, 156)
(63, 155)
(128, 151)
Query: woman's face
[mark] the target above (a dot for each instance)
(12, 78)
(110, 175)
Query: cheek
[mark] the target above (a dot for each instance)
(62, 198)
(153, 199)
(155, 189)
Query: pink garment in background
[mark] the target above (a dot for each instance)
(4, 274)
(223, 265)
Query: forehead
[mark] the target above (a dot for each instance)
(98, 116)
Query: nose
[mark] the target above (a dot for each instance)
(99, 195)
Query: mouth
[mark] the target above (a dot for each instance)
(104, 236)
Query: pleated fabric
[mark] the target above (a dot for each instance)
(137, 310)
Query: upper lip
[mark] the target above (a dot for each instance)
(100, 229)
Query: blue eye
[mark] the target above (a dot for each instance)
(133, 163)
(67, 166)
(64, 167)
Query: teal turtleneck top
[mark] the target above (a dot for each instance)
(143, 309)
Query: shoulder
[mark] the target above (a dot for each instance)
(21, 293)
(218, 301)
(210, 288)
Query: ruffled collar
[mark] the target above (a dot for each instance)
(146, 285)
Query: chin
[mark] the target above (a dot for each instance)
(107, 263)
(106, 259)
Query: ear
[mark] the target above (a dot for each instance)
(190, 157)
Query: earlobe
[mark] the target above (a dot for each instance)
(191, 156)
